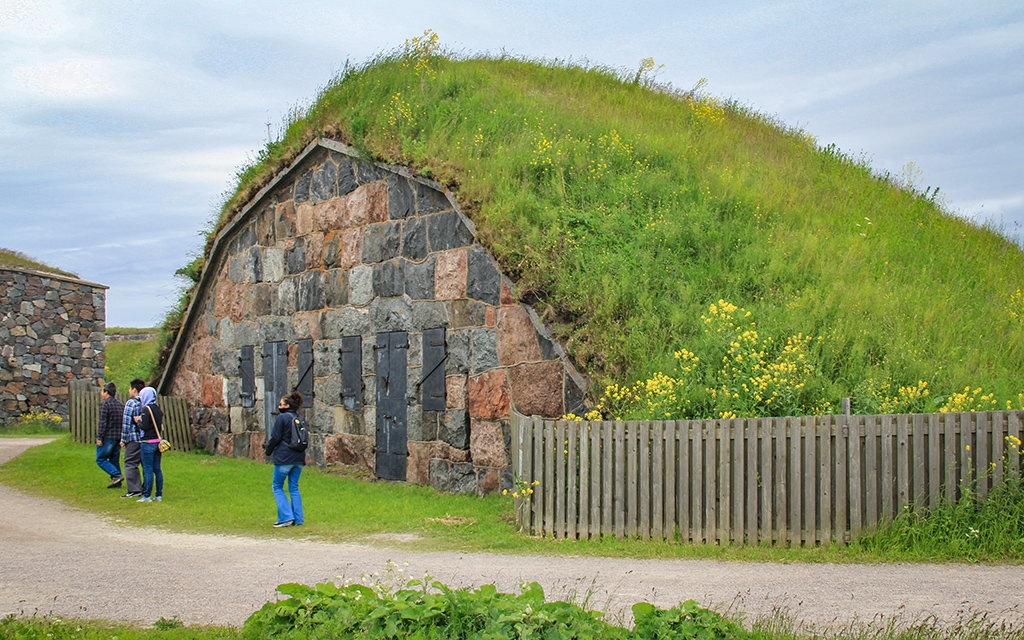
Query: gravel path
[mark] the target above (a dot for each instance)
(61, 560)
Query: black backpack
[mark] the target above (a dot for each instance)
(300, 434)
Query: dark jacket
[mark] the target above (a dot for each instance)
(280, 436)
(147, 426)
(109, 427)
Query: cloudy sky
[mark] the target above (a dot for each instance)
(122, 122)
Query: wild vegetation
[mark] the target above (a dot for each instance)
(17, 259)
(633, 215)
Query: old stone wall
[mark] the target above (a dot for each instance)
(340, 249)
(52, 332)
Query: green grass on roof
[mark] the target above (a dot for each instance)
(625, 210)
(12, 258)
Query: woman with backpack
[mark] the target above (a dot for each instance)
(289, 455)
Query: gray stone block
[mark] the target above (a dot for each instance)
(483, 279)
(414, 238)
(253, 265)
(244, 334)
(447, 231)
(390, 314)
(389, 279)
(295, 257)
(430, 200)
(468, 313)
(346, 321)
(366, 173)
(457, 362)
(429, 314)
(419, 279)
(302, 187)
(336, 287)
(485, 350)
(346, 175)
(323, 185)
(381, 241)
(311, 291)
(455, 429)
(287, 297)
(360, 285)
(453, 477)
(401, 197)
(273, 264)
(236, 268)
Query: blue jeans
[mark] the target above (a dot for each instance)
(108, 457)
(285, 511)
(151, 469)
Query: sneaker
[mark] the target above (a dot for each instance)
(159, 499)
(284, 523)
(144, 499)
(132, 494)
(115, 482)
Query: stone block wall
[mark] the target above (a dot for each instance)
(337, 248)
(52, 333)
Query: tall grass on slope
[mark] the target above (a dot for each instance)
(624, 210)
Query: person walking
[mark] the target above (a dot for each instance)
(108, 435)
(288, 462)
(131, 439)
(151, 421)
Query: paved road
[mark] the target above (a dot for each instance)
(61, 560)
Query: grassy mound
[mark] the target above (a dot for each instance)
(725, 261)
(12, 258)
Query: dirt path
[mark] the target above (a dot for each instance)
(61, 560)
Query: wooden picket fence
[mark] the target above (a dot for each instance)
(798, 481)
(84, 410)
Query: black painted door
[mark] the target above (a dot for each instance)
(392, 409)
(275, 380)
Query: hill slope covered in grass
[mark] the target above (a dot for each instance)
(9, 257)
(723, 261)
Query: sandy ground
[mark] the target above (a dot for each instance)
(55, 559)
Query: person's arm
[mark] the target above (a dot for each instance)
(276, 435)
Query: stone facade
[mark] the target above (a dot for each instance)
(52, 334)
(337, 251)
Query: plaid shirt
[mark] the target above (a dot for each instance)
(129, 432)
(110, 410)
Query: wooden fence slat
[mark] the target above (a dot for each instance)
(711, 504)
(560, 484)
(902, 453)
(725, 460)
(632, 479)
(949, 478)
(854, 476)
(751, 468)
(825, 502)
(842, 475)
(810, 477)
(607, 502)
(657, 517)
(538, 474)
(620, 480)
(1013, 436)
(967, 463)
(918, 465)
(887, 464)
(982, 444)
(738, 486)
(671, 479)
(597, 507)
(872, 472)
(584, 483)
(697, 480)
(644, 488)
(686, 450)
(934, 455)
(781, 483)
(998, 425)
(796, 482)
(767, 481)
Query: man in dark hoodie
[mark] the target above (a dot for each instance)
(108, 435)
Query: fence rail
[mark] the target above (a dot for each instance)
(84, 410)
(807, 480)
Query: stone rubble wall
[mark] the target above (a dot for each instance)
(52, 333)
(344, 248)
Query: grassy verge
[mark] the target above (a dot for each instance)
(209, 494)
(129, 360)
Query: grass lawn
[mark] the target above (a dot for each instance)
(212, 494)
